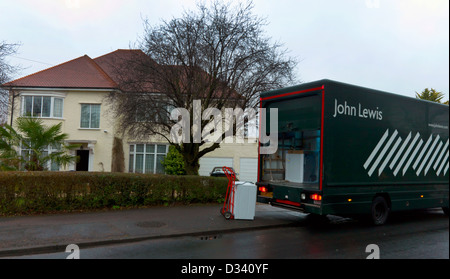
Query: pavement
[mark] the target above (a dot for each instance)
(26, 235)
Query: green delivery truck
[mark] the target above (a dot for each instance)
(348, 150)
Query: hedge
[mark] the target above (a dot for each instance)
(41, 192)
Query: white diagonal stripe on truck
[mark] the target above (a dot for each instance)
(380, 156)
(422, 152)
(440, 156)
(389, 156)
(443, 163)
(432, 153)
(375, 150)
(410, 147)
(433, 157)
(427, 156)
(394, 161)
(412, 156)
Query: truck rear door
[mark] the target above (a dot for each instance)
(295, 167)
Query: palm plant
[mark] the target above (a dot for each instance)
(430, 95)
(40, 145)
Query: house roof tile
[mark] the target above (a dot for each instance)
(81, 72)
(119, 69)
(125, 66)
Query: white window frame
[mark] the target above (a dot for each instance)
(90, 115)
(49, 150)
(144, 153)
(53, 96)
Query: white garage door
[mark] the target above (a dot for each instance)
(207, 164)
(248, 169)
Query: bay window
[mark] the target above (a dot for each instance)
(42, 106)
(147, 158)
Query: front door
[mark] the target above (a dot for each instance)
(83, 160)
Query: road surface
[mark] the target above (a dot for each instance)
(407, 235)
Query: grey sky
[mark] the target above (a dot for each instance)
(400, 46)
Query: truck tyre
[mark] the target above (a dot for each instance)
(380, 211)
(445, 209)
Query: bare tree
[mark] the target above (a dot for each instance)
(6, 71)
(217, 54)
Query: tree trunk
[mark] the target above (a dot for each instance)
(191, 158)
(191, 155)
(118, 157)
(191, 169)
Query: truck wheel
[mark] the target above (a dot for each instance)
(445, 209)
(380, 211)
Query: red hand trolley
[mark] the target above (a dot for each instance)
(228, 206)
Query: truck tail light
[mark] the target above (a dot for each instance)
(316, 197)
(262, 189)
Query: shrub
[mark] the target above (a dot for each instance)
(35, 137)
(40, 192)
(173, 162)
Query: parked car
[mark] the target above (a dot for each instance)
(218, 172)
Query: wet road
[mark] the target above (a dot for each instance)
(409, 235)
